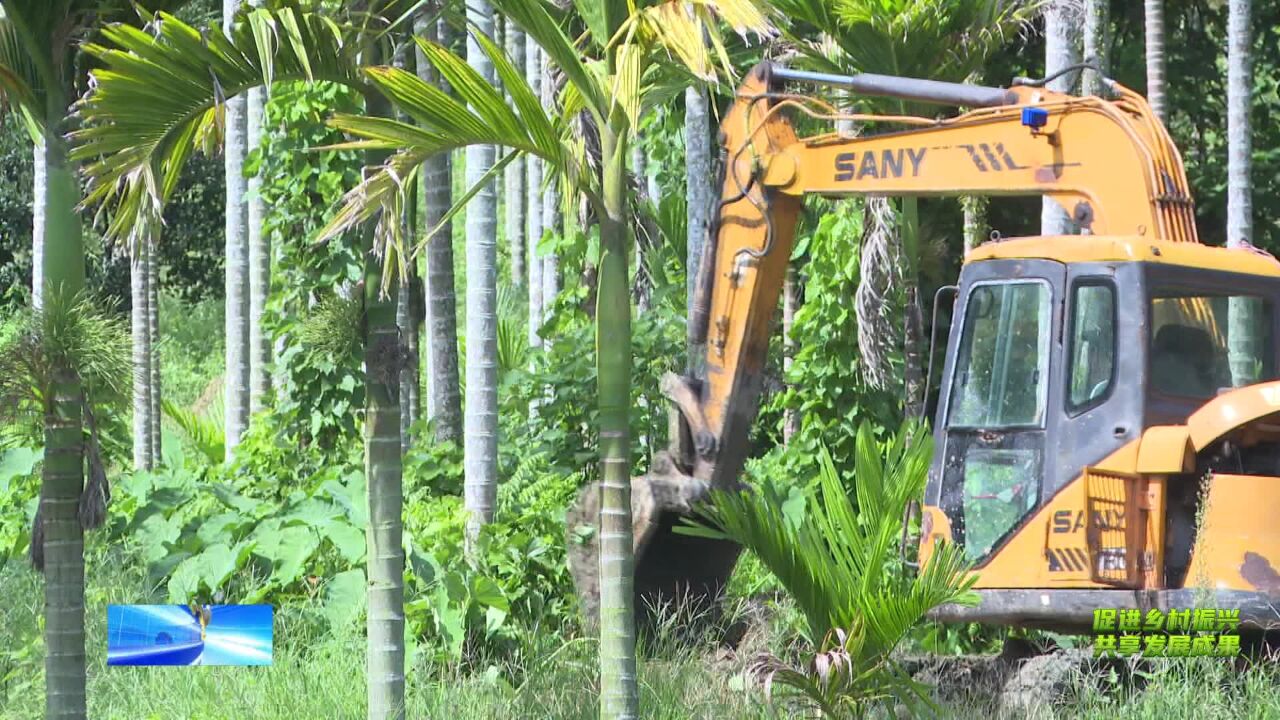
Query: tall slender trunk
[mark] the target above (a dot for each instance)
(553, 223)
(790, 303)
(514, 177)
(1153, 11)
(618, 687)
(551, 206)
(1096, 22)
(913, 321)
(406, 319)
(38, 198)
(1242, 311)
(699, 188)
(259, 243)
(975, 221)
(480, 426)
(236, 378)
(153, 330)
(140, 325)
(62, 478)
(383, 351)
(533, 73)
(1061, 49)
(444, 401)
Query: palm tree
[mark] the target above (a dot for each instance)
(39, 190)
(235, 382)
(644, 35)
(1242, 311)
(1061, 50)
(533, 185)
(133, 148)
(700, 191)
(838, 560)
(444, 400)
(480, 433)
(258, 245)
(153, 342)
(1154, 24)
(36, 40)
(551, 205)
(1097, 17)
(140, 321)
(515, 177)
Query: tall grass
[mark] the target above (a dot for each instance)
(320, 675)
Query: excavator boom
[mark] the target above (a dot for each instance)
(1109, 163)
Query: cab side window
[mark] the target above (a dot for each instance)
(1093, 344)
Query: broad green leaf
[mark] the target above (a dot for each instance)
(344, 598)
(487, 593)
(348, 539)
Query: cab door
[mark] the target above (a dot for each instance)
(996, 414)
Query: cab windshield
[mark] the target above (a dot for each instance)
(1003, 364)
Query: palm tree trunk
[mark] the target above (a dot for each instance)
(62, 478)
(1061, 49)
(406, 319)
(38, 199)
(153, 321)
(480, 429)
(444, 401)
(384, 466)
(1154, 23)
(618, 688)
(790, 303)
(515, 176)
(533, 73)
(1242, 311)
(551, 208)
(140, 322)
(699, 188)
(975, 221)
(552, 222)
(259, 261)
(236, 378)
(1096, 21)
(912, 331)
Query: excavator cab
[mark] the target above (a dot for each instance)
(1062, 355)
(1107, 432)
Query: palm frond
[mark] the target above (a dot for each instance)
(156, 96)
(206, 433)
(837, 561)
(21, 86)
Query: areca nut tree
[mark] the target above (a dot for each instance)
(1153, 24)
(945, 40)
(1243, 312)
(235, 379)
(158, 96)
(39, 76)
(1062, 43)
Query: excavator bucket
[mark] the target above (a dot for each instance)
(671, 568)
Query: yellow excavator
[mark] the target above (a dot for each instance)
(1107, 433)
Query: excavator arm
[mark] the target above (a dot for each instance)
(1109, 163)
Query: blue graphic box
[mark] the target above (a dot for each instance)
(189, 634)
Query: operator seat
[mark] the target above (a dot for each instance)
(1184, 361)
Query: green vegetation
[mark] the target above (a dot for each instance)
(418, 571)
